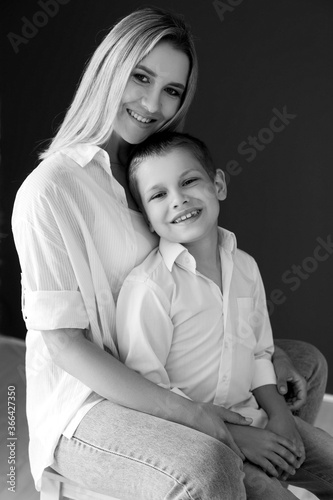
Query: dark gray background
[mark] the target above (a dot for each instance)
(259, 56)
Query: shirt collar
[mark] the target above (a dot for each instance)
(227, 240)
(175, 252)
(83, 153)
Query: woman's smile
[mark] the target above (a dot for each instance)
(140, 118)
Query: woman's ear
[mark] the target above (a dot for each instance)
(151, 229)
(220, 185)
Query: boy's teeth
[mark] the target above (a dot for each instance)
(187, 216)
(138, 117)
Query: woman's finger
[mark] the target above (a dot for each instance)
(233, 417)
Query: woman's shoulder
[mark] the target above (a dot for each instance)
(46, 185)
(54, 174)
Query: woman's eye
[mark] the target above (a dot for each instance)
(141, 78)
(173, 92)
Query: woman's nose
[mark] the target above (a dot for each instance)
(151, 101)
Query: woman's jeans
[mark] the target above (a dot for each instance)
(135, 456)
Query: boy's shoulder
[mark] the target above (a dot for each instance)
(246, 265)
(229, 243)
(152, 268)
(242, 261)
(244, 257)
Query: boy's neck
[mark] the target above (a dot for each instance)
(207, 256)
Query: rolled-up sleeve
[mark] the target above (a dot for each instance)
(50, 292)
(50, 310)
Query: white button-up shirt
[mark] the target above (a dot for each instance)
(176, 328)
(77, 240)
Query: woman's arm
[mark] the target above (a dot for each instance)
(112, 380)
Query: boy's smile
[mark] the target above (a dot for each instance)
(186, 215)
(180, 199)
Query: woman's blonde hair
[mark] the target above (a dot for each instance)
(95, 105)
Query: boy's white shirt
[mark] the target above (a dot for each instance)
(175, 327)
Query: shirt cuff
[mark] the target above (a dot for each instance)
(264, 373)
(50, 310)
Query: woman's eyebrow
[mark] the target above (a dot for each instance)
(153, 74)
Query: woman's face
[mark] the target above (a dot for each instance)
(153, 93)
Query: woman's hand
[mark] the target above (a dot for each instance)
(270, 451)
(290, 383)
(210, 419)
(285, 426)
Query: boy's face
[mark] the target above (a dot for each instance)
(180, 199)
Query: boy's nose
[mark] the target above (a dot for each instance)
(179, 199)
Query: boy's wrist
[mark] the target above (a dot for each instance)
(271, 401)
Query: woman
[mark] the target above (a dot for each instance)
(78, 234)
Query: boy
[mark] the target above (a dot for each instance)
(192, 317)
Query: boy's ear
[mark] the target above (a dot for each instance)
(220, 184)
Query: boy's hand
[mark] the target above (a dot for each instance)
(270, 451)
(284, 425)
(290, 383)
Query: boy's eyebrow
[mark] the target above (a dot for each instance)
(188, 171)
(160, 186)
(153, 74)
(152, 188)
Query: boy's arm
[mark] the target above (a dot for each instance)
(280, 419)
(145, 330)
(260, 324)
(264, 386)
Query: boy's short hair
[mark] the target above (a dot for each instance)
(161, 144)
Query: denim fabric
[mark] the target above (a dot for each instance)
(135, 456)
(315, 475)
(310, 362)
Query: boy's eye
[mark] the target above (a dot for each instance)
(141, 78)
(157, 195)
(189, 181)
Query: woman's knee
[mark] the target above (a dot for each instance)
(216, 472)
